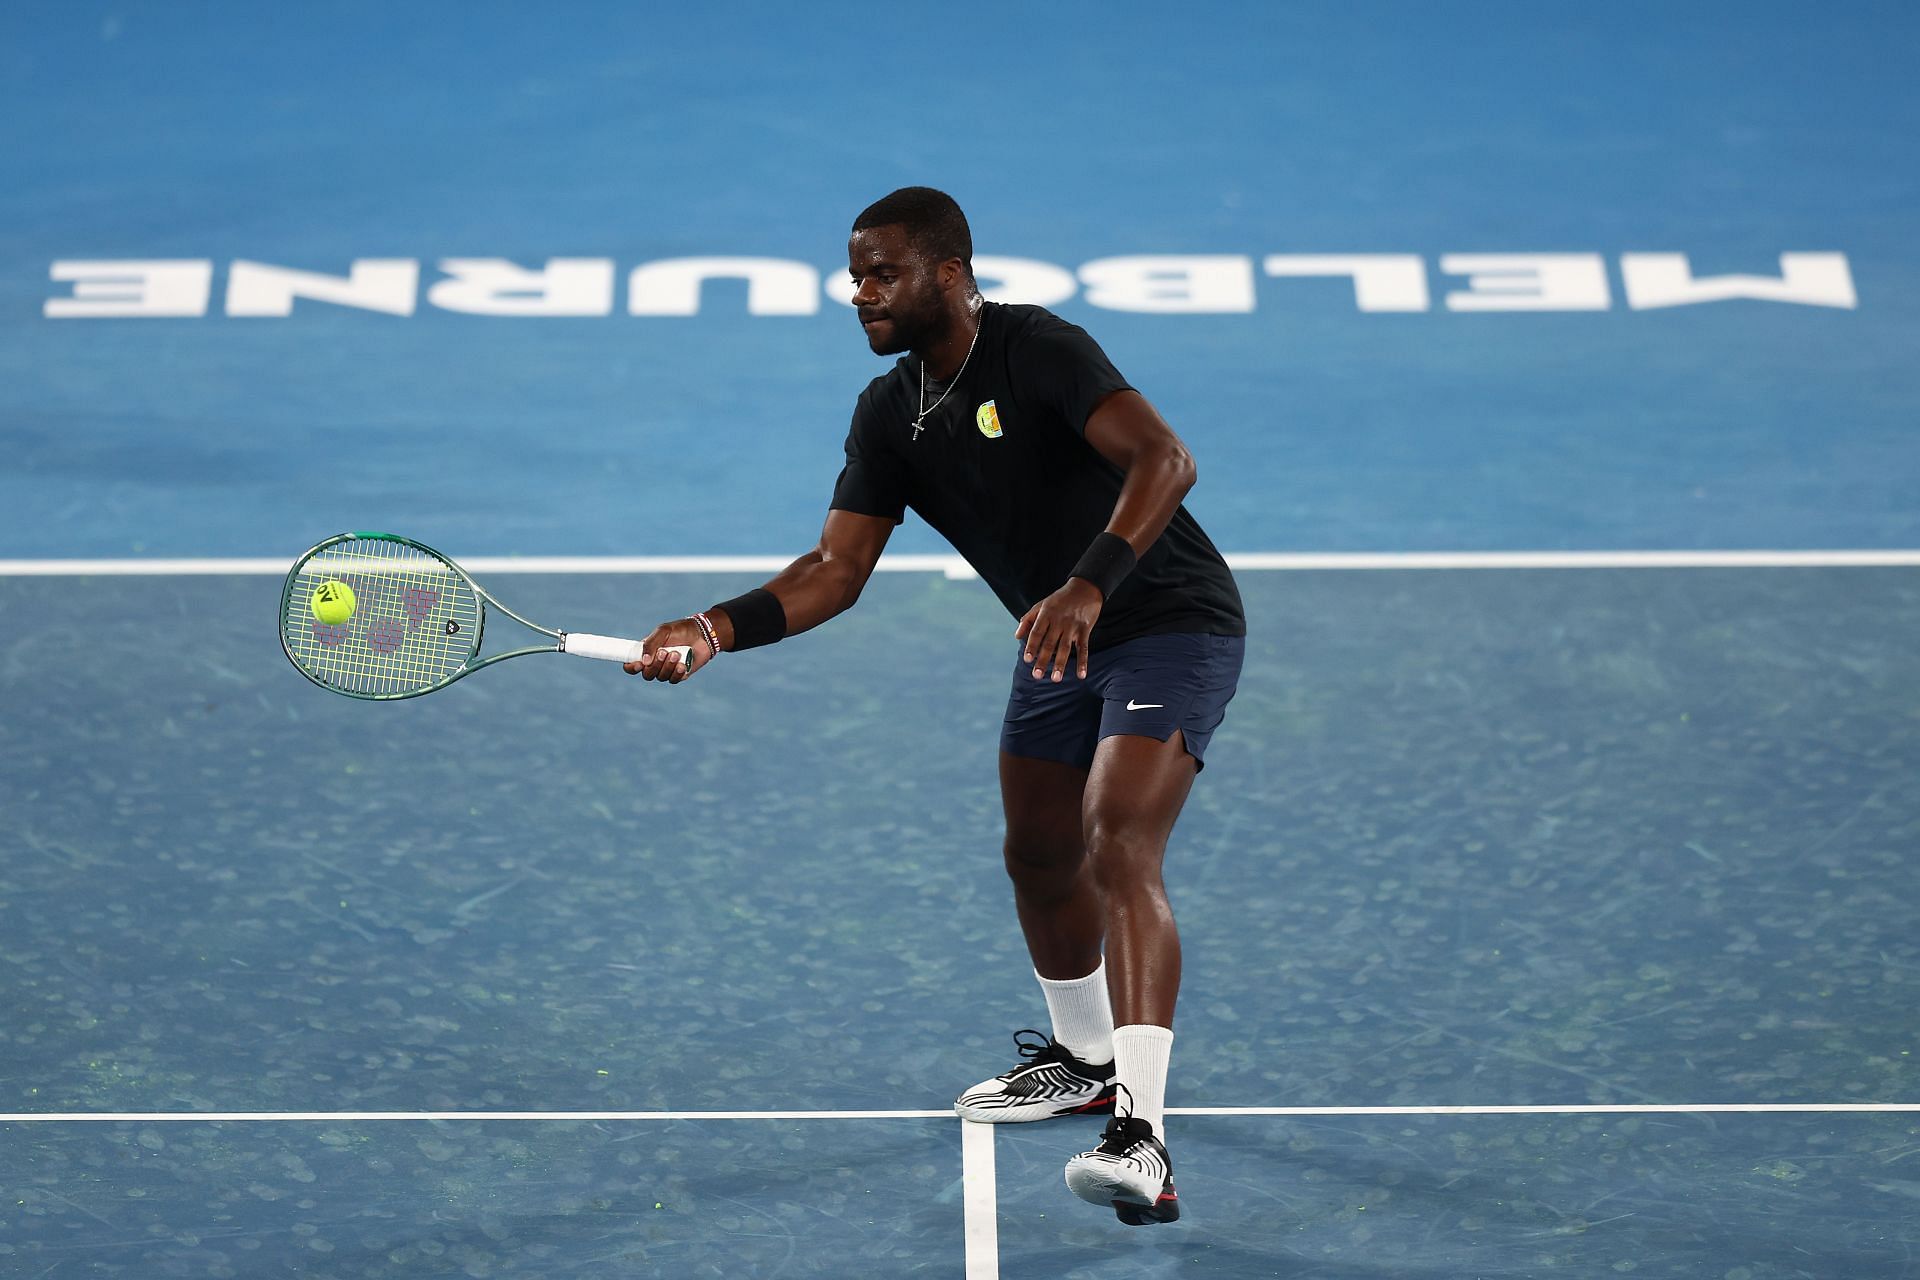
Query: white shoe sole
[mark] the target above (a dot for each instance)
(1030, 1112)
(1102, 1184)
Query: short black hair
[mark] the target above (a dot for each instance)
(932, 219)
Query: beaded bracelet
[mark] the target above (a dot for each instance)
(707, 633)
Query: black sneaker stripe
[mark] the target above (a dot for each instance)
(1148, 1158)
(1042, 1093)
(1061, 1083)
(1051, 1082)
(1049, 1071)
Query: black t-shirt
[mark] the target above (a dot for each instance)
(1003, 471)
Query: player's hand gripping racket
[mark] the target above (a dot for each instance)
(376, 615)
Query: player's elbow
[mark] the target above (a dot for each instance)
(846, 580)
(1181, 470)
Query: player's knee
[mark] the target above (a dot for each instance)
(1043, 871)
(1124, 862)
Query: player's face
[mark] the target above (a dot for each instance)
(896, 291)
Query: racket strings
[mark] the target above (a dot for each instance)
(415, 623)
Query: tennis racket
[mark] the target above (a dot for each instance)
(379, 616)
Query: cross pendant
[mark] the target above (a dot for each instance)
(917, 423)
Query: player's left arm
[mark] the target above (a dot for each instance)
(1159, 471)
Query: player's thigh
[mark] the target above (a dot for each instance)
(1134, 795)
(1047, 741)
(1162, 698)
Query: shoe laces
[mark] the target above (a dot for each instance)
(1038, 1051)
(1123, 1128)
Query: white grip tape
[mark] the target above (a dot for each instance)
(584, 644)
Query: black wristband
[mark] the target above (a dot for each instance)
(1106, 562)
(758, 618)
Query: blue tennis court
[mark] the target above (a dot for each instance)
(1545, 899)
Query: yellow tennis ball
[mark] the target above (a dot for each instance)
(333, 602)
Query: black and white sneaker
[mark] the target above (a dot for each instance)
(1050, 1082)
(1129, 1170)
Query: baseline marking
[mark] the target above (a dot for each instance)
(955, 567)
(980, 1192)
(161, 1117)
(1570, 1109)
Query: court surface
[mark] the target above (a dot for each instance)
(1546, 917)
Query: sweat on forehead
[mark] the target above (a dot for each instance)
(931, 220)
(890, 247)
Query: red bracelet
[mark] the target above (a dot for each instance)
(707, 633)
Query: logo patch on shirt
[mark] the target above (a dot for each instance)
(987, 418)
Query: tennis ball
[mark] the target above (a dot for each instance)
(333, 602)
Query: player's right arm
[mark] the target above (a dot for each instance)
(826, 581)
(820, 585)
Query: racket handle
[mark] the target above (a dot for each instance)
(584, 644)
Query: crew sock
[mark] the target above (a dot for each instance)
(1082, 1018)
(1140, 1054)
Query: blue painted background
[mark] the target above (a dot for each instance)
(308, 137)
(1470, 838)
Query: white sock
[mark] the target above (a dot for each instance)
(1082, 1018)
(1140, 1056)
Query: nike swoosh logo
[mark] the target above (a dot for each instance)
(1144, 706)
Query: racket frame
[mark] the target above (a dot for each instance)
(474, 661)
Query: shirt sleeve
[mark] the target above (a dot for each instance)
(1069, 371)
(873, 482)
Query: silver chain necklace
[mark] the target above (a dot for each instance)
(920, 418)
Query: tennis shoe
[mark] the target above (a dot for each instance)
(1049, 1082)
(1130, 1170)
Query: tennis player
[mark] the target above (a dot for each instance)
(1010, 432)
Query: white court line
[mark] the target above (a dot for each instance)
(346, 1117)
(981, 1197)
(979, 1187)
(955, 567)
(1575, 1109)
(161, 1117)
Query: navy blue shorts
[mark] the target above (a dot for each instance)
(1149, 686)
